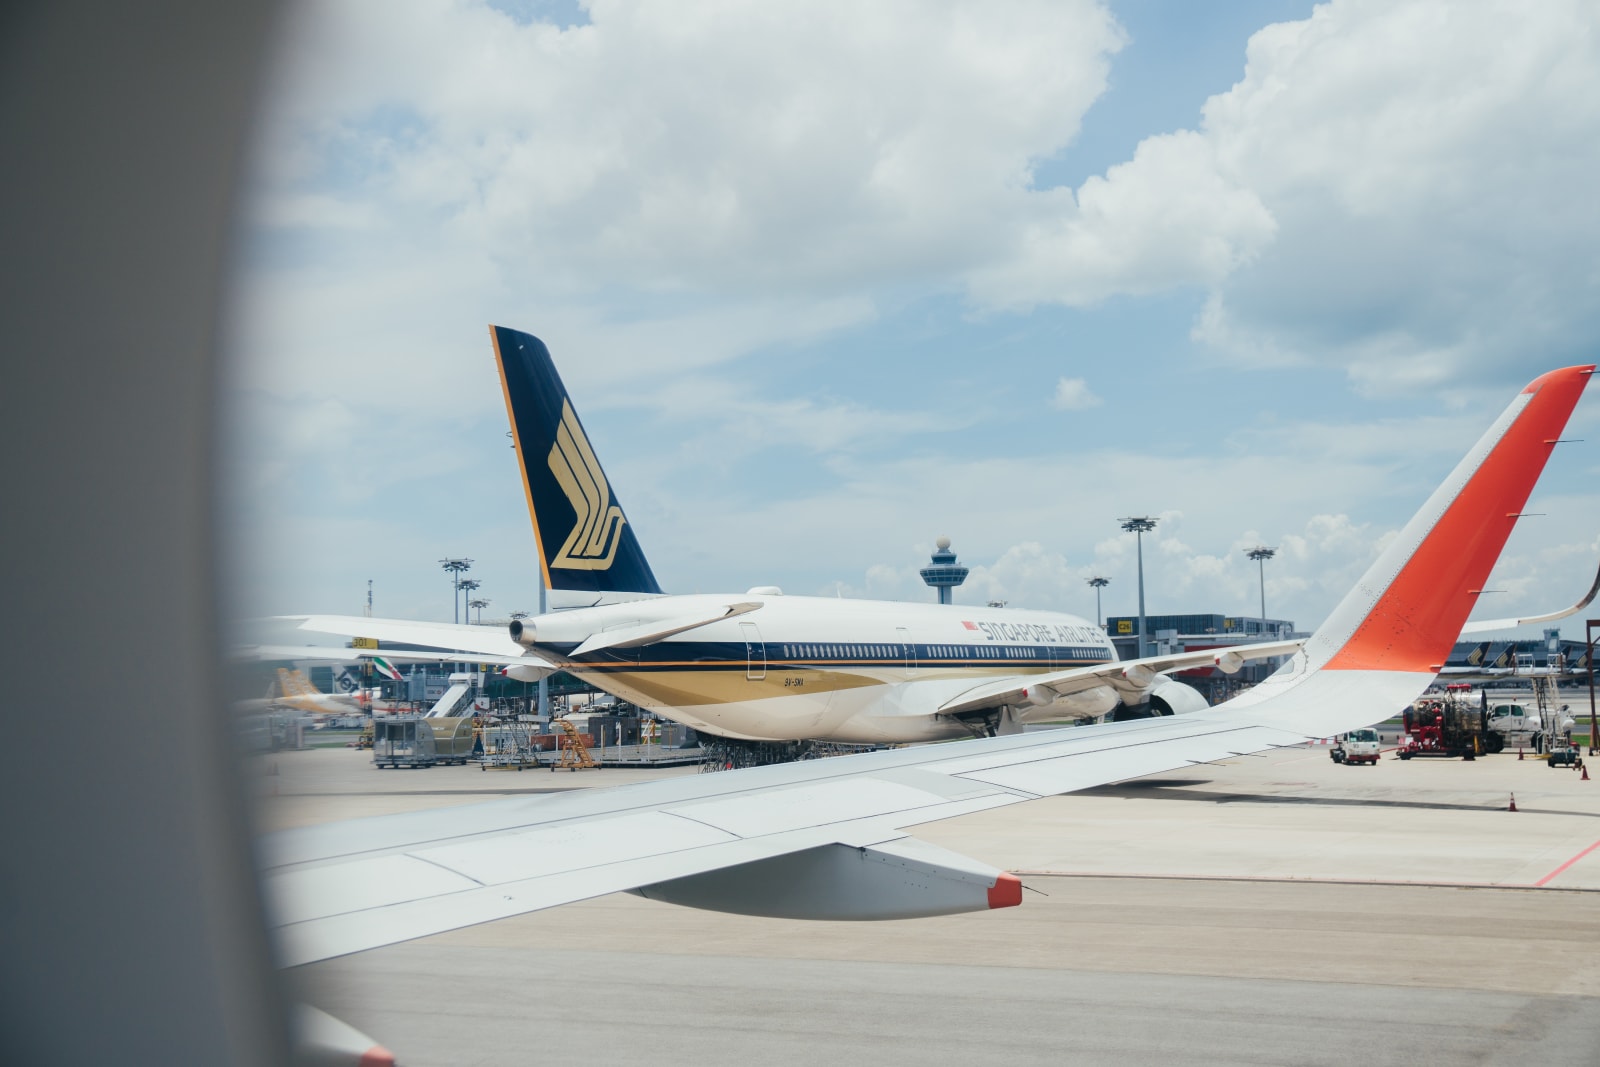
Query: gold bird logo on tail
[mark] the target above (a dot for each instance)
(592, 544)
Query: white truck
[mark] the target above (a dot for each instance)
(1357, 746)
(1517, 726)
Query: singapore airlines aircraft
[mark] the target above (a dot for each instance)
(762, 666)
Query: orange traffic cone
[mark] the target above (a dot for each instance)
(1519, 751)
(1513, 806)
(1585, 768)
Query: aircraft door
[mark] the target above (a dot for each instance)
(907, 649)
(755, 652)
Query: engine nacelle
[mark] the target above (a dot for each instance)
(1168, 697)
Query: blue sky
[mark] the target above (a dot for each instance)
(827, 282)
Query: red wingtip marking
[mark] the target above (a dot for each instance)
(377, 1056)
(1006, 892)
(1571, 373)
(1416, 621)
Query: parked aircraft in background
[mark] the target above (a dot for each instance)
(762, 666)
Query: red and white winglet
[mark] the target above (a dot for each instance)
(1390, 635)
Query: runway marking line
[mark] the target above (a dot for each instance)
(1549, 877)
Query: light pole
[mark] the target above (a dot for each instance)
(467, 585)
(480, 603)
(1139, 526)
(1099, 583)
(456, 567)
(1261, 553)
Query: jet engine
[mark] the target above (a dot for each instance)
(1168, 697)
(1164, 697)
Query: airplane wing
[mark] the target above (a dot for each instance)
(479, 641)
(1488, 625)
(1130, 676)
(355, 655)
(828, 838)
(358, 885)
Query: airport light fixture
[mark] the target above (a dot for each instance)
(480, 603)
(1099, 583)
(456, 568)
(1261, 553)
(1139, 525)
(467, 585)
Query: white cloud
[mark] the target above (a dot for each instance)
(1402, 189)
(1399, 187)
(1170, 217)
(683, 146)
(1073, 394)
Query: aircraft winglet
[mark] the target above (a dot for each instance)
(1406, 612)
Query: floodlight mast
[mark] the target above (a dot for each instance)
(456, 568)
(1261, 553)
(467, 585)
(1140, 525)
(1099, 583)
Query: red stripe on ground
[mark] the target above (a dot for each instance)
(1547, 878)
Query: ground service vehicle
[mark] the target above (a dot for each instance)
(1564, 755)
(1357, 746)
(1516, 727)
(418, 741)
(1447, 726)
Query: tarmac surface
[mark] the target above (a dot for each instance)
(1273, 909)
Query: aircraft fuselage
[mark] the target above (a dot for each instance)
(817, 668)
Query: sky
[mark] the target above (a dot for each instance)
(827, 281)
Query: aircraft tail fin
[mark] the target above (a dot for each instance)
(585, 541)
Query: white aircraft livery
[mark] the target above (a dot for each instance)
(761, 666)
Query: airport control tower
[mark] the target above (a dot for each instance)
(944, 573)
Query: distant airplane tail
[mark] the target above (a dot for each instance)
(585, 541)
